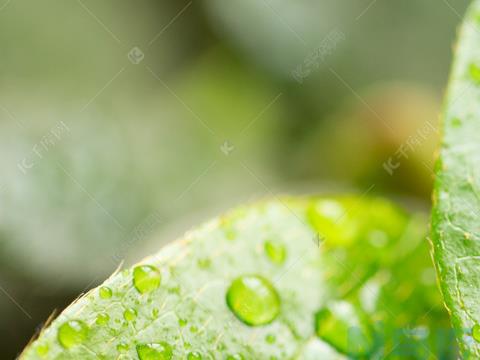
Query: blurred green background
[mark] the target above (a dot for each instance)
(124, 119)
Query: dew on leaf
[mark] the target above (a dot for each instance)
(102, 319)
(195, 355)
(275, 251)
(155, 351)
(122, 347)
(476, 332)
(270, 338)
(182, 322)
(105, 292)
(130, 314)
(253, 300)
(193, 329)
(146, 278)
(204, 263)
(42, 350)
(474, 71)
(341, 326)
(456, 122)
(71, 333)
(235, 357)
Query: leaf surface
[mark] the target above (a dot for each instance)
(327, 278)
(455, 217)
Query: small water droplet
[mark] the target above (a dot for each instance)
(275, 251)
(474, 71)
(155, 351)
(102, 319)
(146, 278)
(456, 122)
(122, 347)
(204, 263)
(42, 350)
(476, 332)
(193, 329)
(155, 312)
(270, 338)
(182, 322)
(235, 357)
(105, 292)
(253, 300)
(130, 314)
(194, 356)
(72, 333)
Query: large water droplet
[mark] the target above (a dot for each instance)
(105, 292)
(341, 325)
(130, 314)
(253, 300)
(155, 351)
(146, 278)
(72, 333)
(275, 251)
(476, 332)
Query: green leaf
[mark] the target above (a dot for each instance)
(305, 278)
(455, 217)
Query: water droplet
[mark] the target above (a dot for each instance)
(102, 319)
(155, 312)
(146, 278)
(474, 71)
(456, 122)
(72, 333)
(194, 356)
(270, 338)
(155, 351)
(204, 263)
(235, 357)
(275, 251)
(332, 221)
(42, 350)
(122, 347)
(193, 329)
(341, 325)
(105, 292)
(253, 300)
(130, 314)
(182, 322)
(476, 332)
